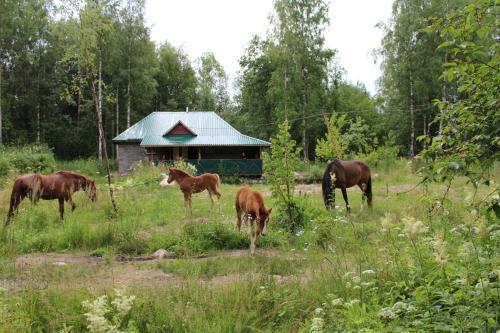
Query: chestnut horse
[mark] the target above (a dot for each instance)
(195, 184)
(251, 204)
(345, 174)
(58, 185)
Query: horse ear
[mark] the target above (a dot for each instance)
(269, 211)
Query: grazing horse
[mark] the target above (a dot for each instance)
(251, 204)
(345, 174)
(195, 184)
(58, 185)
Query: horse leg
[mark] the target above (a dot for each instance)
(211, 200)
(70, 200)
(217, 193)
(15, 200)
(253, 236)
(344, 194)
(186, 202)
(362, 186)
(238, 216)
(61, 209)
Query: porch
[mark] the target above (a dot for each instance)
(225, 160)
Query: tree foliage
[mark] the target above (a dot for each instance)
(279, 167)
(469, 142)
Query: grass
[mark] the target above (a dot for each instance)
(375, 271)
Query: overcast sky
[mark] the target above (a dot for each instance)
(225, 27)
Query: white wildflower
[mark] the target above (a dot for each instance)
(317, 325)
(337, 301)
(122, 303)
(318, 310)
(386, 222)
(413, 227)
(353, 302)
(348, 274)
(368, 272)
(440, 252)
(387, 313)
(356, 279)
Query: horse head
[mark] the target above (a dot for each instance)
(264, 220)
(90, 189)
(171, 175)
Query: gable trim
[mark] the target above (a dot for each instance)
(190, 131)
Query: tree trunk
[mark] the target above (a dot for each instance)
(444, 93)
(286, 96)
(117, 112)
(99, 109)
(128, 93)
(425, 132)
(305, 145)
(117, 117)
(1, 142)
(103, 144)
(38, 110)
(412, 119)
(128, 104)
(78, 111)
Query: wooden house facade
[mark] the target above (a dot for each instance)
(201, 138)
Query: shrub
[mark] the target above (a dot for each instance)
(382, 157)
(314, 173)
(183, 165)
(32, 158)
(279, 166)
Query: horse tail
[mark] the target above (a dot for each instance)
(327, 186)
(15, 199)
(217, 183)
(369, 195)
(36, 188)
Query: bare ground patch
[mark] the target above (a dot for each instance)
(75, 270)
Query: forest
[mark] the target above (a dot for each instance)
(130, 256)
(52, 52)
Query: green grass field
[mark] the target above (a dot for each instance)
(379, 270)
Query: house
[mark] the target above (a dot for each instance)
(203, 139)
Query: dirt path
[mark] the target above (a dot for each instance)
(74, 270)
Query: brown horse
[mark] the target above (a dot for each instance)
(251, 204)
(58, 185)
(195, 184)
(345, 174)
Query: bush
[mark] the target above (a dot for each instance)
(86, 166)
(314, 173)
(183, 165)
(381, 158)
(297, 210)
(32, 158)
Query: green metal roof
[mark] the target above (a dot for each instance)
(210, 130)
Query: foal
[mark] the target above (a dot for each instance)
(195, 184)
(345, 174)
(251, 204)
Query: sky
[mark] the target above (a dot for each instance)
(225, 28)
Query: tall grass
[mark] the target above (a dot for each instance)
(416, 262)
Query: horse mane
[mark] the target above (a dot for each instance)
(334, 166)
(336, 163)
(70, 174)
(180, 172)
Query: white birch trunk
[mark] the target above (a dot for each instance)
(99, 109)
(1, 142)
(412, 119)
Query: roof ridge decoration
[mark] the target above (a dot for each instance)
(183, 126)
